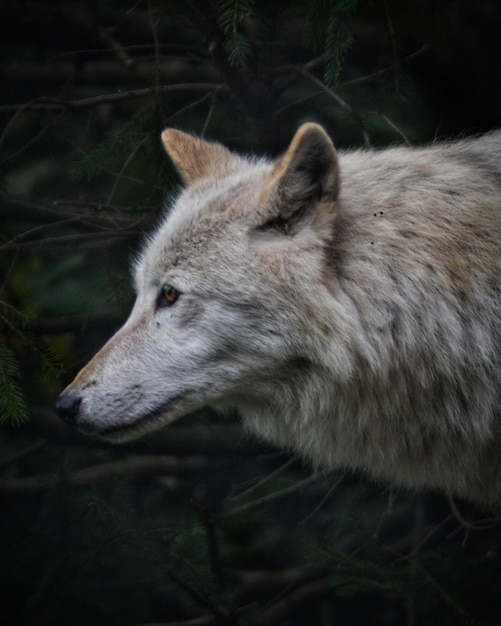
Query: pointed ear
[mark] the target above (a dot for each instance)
(309, 168)
(306, 173)
(196, 158)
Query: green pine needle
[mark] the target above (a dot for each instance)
(13, 406)
(326, 27)
(232, 14)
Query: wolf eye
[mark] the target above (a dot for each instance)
(168, 296)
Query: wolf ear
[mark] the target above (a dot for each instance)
(196, 158)
(308, 171)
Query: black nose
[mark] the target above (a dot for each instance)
(67, 406)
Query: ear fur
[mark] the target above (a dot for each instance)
(308, 170)
(304, 183)
(196, 158)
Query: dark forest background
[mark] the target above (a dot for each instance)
(201, 524)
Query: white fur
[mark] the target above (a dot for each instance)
(350, 310)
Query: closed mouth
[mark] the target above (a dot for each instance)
(149, 421)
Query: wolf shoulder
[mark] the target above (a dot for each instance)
(434, 203)
(445, 168)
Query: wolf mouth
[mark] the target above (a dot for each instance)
(142, 424)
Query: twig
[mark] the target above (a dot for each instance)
(101, 207)
(256, 581)
(118, 50)
(44, 129)
(466, 618)
(286, 605)
(37, 230)
(69, 239)
(35, 447)
(335, 96)
(53, 216)
(354, 82)
(393, 46)
(53, 104)
(206, 620)
(417, 548)
(264, 481)
(188, 107)
(395, 128)
(119, 176)
(483, 524)
(134, 467)
(386, 513)
(153, 27)
(213, 97)
(279, 494)
(73, 323)
(206, 517)
(323, 500)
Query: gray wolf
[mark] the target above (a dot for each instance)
(346, 304)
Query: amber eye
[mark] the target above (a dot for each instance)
(168, 296)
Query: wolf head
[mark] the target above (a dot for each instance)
(233, 293)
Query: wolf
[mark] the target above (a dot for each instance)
(346, 304)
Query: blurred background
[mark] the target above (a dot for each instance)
(200, 523)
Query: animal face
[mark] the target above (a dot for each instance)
(223, 289)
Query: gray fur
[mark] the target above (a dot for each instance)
(348, 305)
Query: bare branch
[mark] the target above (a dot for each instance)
(335, 96)
(23, 454)
(479, 525)
(206, 620)
(128, 160)
(54, 104)
(317, 476)
(354, 82)
(263, 481)
(133, 467)
(289, 603)
(65, 240)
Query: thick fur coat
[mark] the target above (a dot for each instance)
(347, 305)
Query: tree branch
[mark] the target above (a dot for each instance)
(334, 96)
(289, 603)
(23, 454)
(281, 493)
(133, 467)
(54, 104)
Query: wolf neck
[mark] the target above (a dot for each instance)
(337, 426)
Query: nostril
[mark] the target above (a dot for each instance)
(67, 406)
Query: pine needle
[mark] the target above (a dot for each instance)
(231, 17)
(13, 406)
